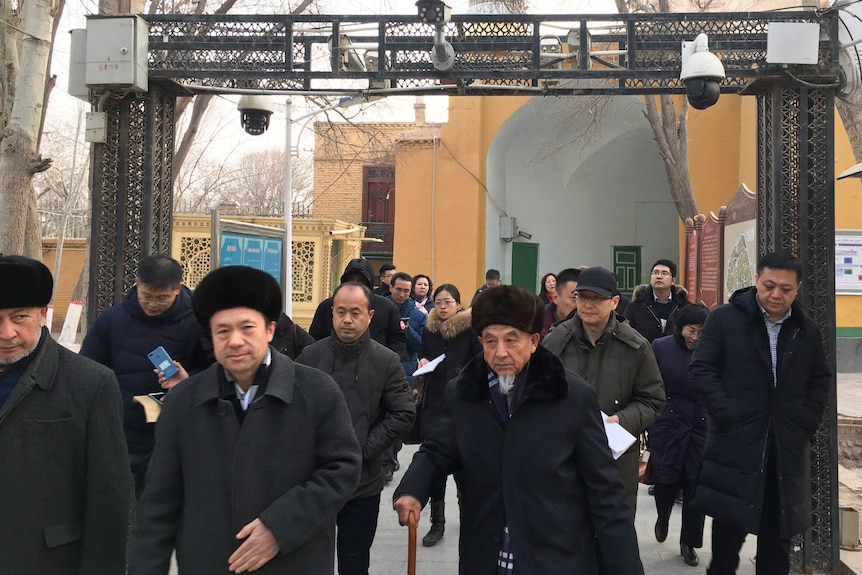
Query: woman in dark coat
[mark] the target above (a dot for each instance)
(677, 439)
(548, 288)
(422, 291)
(448, 330)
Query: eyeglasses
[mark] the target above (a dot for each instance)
(443, 302)
(661, 273)
(591, 299)
(158, 300)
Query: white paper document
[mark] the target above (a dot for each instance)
(431, 365)
(619, 440)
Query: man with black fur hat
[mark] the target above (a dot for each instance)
(65, 481)
(540, 492)
(254, 456)
(385, 326)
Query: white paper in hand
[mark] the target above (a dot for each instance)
(431, 365)
(619, 440)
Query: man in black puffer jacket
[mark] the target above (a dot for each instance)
(157, 311)
(386, 323)
(653, 307)
(381, 407)
(760, 370)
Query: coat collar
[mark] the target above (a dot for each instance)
(745, 299)
(43, 365)
(452, 327)
(546, 378)
(617, 328)
(644, 294)
(281, 385)
(40, 373)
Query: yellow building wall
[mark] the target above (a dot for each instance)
(848, 216)
(441, 194)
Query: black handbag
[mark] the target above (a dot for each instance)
(417, 387)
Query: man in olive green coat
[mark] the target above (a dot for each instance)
(606, 351)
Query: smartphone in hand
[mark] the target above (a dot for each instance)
(163, 362)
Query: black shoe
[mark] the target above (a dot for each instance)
(387, 476)
(661, 526)
(688, 555)
(438, 524)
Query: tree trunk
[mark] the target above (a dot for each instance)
(851, 117)
(671, 135)
(20, 232)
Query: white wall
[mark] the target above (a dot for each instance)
(579, 191)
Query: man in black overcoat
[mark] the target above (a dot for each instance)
(540, 492)
(254, 456)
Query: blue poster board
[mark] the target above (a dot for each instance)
(272, 258)
(251, 250)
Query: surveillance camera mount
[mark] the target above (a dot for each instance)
(698, 61)
(443, 56)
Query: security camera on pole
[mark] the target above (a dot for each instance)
(701, 72)
(437, 13)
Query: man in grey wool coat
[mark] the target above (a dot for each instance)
(64, 471)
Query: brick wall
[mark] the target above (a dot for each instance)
(340, 152)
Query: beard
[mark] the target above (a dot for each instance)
(507, 382)
(7, 361)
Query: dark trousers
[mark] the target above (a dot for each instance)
(438, 490)
(139, 462)
(390, 456)
(357, 525)
(773, 551)
(692, 520)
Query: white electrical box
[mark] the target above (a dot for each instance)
(792, 42)
(116, 52)
(508, 227)
(96, 127)
(77, 64)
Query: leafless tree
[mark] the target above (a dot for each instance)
(26, 38)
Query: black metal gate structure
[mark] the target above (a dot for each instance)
(551, 56)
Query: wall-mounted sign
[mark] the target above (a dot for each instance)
(239, 243)
(848, 262)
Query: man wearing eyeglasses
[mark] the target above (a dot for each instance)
(618, 361)
(156, 311)
(654, 306)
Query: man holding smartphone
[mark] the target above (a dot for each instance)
(156, 311)
(413, 320)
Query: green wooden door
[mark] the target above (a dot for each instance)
(627, 266)
(525, 265)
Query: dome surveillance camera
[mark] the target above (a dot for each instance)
(701, 72)
(254, 113)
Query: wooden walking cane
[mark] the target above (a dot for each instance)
(411, 543)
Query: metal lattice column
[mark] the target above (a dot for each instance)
(132, 191)
(796, 212)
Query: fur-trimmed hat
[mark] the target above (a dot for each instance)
(508, 305)
(236, 286)
(24, 282)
